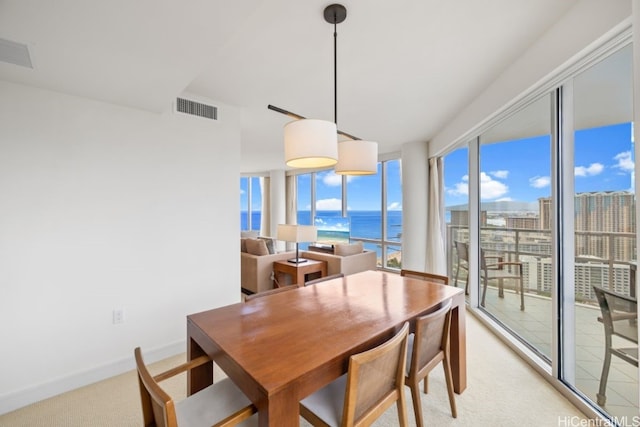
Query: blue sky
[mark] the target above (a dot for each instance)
(520, 170)
(363, 192)
(516, 170)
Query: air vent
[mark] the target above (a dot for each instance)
(194, 108)
(15, 53)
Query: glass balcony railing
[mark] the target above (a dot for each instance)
(607, 260)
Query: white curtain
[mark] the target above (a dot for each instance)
(436, 254)
(265, 214)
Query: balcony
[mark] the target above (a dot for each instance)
(604, 259)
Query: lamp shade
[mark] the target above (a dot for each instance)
(297, 233)
(356, 157)
(310, 143)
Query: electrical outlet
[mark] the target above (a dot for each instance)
(118, 316)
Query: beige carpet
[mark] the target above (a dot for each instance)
(502, 391)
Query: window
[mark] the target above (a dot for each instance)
(250, 203)
(323, 198)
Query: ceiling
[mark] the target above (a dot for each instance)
(404, 68)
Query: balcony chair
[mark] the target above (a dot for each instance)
(374, 381)
(285, 288)
(620, 318)
(500, 270)
(221, 404)
(462, 250)
(427, 348)
(431, 277)
(323, 279)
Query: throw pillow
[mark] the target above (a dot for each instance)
(346, 250)
(270, 245)
(257, 247)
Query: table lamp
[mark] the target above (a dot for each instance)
(297, 233)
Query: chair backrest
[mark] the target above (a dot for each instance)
(375, 380)
(431, 338)
(248, 298)
(158, 408)
(432, 277)
(323, 279)
(462, 249)
(619, 313)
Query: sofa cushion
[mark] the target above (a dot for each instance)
(270, 244)
(346, 250)
(256, 247)
(243, 245)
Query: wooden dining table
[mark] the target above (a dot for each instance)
(280, 348)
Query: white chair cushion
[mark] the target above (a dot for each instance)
(328, 402)
(409, 353)
(213, 404)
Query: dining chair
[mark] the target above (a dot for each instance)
(374, 381)
(432, 277)
(462, 251)
(428, 346)
(323, 279)
(500, 270)
(286, 288)
(221, 404)
(619, 315)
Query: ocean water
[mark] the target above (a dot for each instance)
(361, 224)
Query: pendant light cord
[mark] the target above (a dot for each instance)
(335, 69)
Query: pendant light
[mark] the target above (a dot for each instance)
(311, 143)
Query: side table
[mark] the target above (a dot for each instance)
(298, 272)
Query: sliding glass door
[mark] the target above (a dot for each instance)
(515, 237)
(604, 229)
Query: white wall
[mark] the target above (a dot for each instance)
(105, 207)
(585, 25)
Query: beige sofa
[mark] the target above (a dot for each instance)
(256, 270)
(256, 263)
(345, 264)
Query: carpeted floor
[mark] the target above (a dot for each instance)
(502, 391)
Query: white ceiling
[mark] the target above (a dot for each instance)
(405, 68)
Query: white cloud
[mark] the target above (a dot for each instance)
(332, 179)
(490, 188)
(500, 174)
(591, 170)
(329, 205)
(540, 181)
(395, 206)
(625, 162)
(242, 191)
(460, 188)
(504, 199)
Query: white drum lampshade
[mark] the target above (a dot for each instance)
(357, 157)
(310, 143)
(297, 233)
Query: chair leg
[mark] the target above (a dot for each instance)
(401, 405)
(466, 285)
(417, 403)
(484, 290)
(602, 397)
(447, 375)
(455, 279)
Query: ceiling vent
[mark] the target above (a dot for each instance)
(15, 53)
(193, 108)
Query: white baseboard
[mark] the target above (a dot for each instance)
(14, 400)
